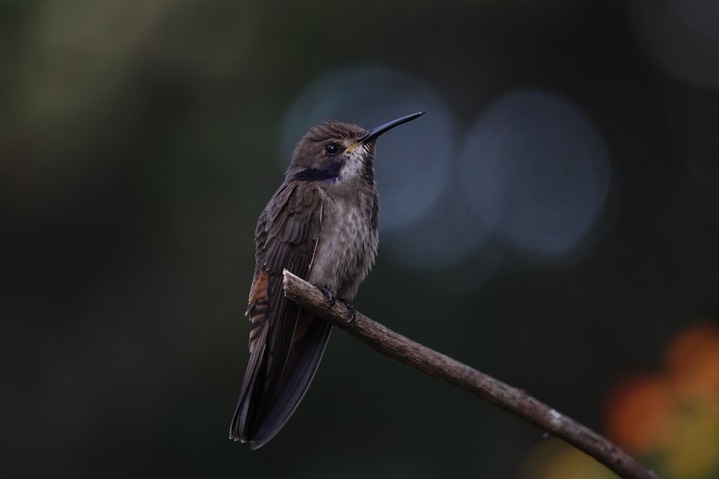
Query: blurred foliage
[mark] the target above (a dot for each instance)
(668, 419)
(140, 139)
(672, 417)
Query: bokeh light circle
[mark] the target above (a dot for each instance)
(449, 236)
(536, 170)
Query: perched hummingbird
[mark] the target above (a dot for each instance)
(321, 224)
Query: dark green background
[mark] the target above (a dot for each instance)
(139, 142)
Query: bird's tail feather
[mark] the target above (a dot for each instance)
(289, 392)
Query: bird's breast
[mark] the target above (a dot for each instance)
(347, 244)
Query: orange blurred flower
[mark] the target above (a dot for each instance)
(673, 416)
(638, 412)
(669, 418)
(692, 362)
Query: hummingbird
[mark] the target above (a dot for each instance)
(321, 224)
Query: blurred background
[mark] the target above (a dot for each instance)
(553, 220)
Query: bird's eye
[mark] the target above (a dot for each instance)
(332, 148)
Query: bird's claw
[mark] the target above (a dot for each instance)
(351, 311)
(331, 300)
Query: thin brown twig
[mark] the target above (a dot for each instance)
(516, 401)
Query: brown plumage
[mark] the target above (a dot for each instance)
(321, 224)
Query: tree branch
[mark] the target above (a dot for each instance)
(516, 401)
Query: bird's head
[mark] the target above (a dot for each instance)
(334, 151)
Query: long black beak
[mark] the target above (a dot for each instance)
(377, 131)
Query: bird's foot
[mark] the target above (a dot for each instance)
(351, 311)
(331, 300)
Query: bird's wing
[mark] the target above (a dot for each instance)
(286, 344)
